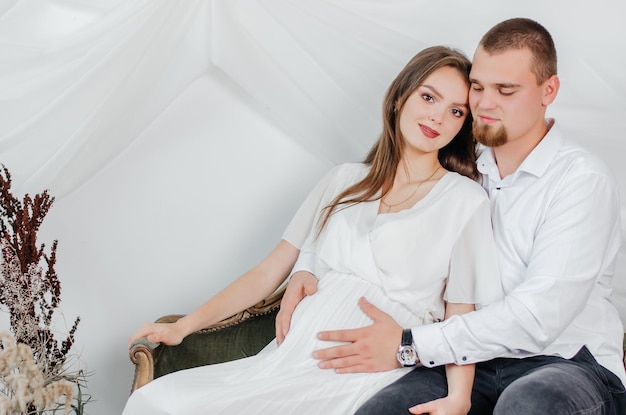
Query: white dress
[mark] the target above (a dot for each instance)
(405, 263)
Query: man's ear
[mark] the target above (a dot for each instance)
(550, 90)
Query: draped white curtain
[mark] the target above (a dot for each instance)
(81, 79)
(179, 136)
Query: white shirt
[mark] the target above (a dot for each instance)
(556, 224)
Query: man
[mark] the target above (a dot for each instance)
(553, 345)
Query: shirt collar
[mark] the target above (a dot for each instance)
(486, 162)
(536, 163)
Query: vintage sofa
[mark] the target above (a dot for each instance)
(241, 335)
(238, 336)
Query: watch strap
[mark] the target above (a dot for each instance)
(407, 337)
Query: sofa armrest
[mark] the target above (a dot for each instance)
(143, 353)
(241, 335)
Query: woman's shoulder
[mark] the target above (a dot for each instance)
(349, 171)
(341, 176)
(353, 167)
(466, 187)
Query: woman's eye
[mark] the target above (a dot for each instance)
(457, 113)
(428, 98)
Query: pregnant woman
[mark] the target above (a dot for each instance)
(408, 229)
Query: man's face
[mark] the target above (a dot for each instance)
(506, 102)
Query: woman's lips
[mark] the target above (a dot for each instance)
(429, 132)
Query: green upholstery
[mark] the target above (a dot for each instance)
(208, 347)
(238, 336)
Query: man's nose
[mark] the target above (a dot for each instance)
(484, 99)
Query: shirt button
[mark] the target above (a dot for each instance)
(431, 362)
(464, 358)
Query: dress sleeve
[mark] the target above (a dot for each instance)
(305, 262)
(304, 222)
(474, 276)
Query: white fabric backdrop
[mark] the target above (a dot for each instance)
(180, 136)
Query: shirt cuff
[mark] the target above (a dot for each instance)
(431, 345)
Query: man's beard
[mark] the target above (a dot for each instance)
(489, 136)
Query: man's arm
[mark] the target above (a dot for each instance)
(571, 258)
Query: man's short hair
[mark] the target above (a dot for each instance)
(523, 33)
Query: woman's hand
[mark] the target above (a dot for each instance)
(301, 284)
(444, 406)
(166, 333)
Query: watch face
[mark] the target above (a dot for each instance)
(407, 356)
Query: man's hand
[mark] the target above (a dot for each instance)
(370, 349)
(301, 284)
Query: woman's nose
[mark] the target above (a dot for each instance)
(436, 117)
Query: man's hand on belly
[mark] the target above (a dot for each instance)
(370, 349)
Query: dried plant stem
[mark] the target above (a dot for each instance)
(32, 361)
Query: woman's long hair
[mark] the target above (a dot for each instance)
(459, 155)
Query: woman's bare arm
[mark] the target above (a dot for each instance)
(250, 288)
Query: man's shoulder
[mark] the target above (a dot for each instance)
(576, 158)
(576, 169)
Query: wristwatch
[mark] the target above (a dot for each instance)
(407, 355)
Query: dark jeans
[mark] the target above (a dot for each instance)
(531, 386)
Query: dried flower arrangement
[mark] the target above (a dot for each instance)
(33, 363)
(25, 381)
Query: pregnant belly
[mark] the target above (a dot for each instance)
(335, 306)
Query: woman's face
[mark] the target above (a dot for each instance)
(434, 113)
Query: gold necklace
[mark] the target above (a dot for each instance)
(412, 194)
